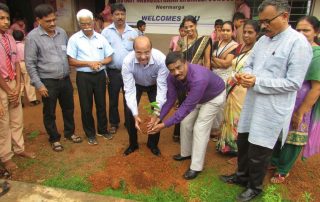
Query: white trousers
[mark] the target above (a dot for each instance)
(195, 130)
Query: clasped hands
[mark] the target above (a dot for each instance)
(95, 65)
(245, 80)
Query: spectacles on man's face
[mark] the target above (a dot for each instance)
(268, 21)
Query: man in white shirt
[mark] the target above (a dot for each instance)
(273, 74)
(143, 70)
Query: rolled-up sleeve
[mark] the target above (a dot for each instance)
(31, 59)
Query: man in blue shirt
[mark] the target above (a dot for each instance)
(89, 52)
(120, 36)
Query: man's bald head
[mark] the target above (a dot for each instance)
(142, 42)
(142, 47)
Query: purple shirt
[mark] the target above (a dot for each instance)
(201, 85)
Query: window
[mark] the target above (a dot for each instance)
(299, 8)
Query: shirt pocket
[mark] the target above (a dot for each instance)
(277, 66)
(128, 44)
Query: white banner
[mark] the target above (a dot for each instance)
(165, 16)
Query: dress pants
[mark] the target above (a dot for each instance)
(11, 127)
(92, 85)
(253, 161)
(181, 97)
(114, 87)
(59, 90)
(153, 140)
(195, 131)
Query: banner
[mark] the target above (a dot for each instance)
(165, 16)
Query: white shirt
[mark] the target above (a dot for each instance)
(154, 73)
(279, 64)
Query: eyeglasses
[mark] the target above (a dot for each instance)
(268, 21)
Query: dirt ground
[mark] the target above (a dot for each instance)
(105, 166)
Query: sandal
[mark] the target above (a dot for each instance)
(57, 147)
(4, 173)
(5, 186)
(279, 178)
(74, 138)
(113, 130)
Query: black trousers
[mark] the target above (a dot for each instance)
(153, 140)
(59, 90)
(182, 94)
(253, 161)
(92, 85)
(114, 87)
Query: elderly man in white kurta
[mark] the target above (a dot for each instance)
(273, 73)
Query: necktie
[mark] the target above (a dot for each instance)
(6, 46)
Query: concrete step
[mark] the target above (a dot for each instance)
(27, 192)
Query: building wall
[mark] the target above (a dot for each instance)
(316, 9)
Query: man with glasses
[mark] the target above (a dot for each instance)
(273, 74)
(89, 52)
(47, 64)
(120, 36)
(143, 70)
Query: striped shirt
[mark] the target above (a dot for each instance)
(154, 73)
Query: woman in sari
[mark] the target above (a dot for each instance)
(236, 93)
(222, 54)
(196, 49)
(305, 122)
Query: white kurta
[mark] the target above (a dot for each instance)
(279, 64)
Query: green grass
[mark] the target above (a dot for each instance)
(206, 188)
(72, 183)
(33, 134)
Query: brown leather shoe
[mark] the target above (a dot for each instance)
(29, 155)
(10, 165)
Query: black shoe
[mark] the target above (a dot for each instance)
(248, 194)
(190, 174)
(155, 151)
(130, 149)
(232, 179)
(178, 157)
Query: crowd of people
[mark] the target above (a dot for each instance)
(256, 82)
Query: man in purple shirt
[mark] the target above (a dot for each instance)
(205, 95)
